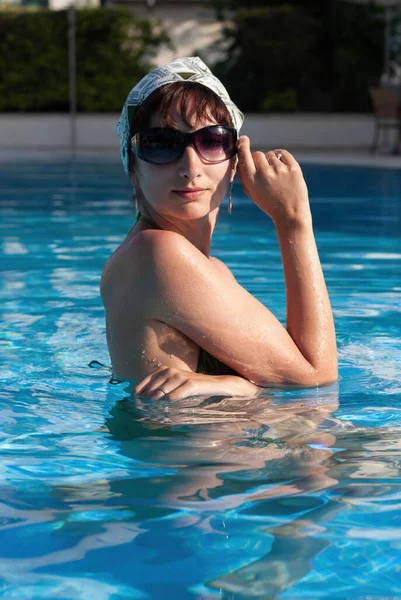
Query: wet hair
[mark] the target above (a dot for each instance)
(202, 101)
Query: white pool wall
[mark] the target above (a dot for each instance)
(311, 130)
(312, 137)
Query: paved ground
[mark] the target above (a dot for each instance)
(359, 157)
(335, 157)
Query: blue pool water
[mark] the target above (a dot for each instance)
(294, 495)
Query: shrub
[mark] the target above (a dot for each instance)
(270, 51)
(284, 101)
(301, 54)
(114, 50)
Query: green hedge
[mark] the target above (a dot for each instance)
(269, 59)
(114, 50)
(301, 54)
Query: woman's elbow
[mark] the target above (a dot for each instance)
(308, 378)
(325, 375)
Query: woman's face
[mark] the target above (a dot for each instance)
(167, 188)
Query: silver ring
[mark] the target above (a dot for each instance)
(279, 155)
(162, 389)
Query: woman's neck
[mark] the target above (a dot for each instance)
(198, 232)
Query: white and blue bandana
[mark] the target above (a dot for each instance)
(189, 68)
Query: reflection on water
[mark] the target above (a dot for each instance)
(267, 480)
(264, 460)
(216, 496)
(220, 445)
(291, 495)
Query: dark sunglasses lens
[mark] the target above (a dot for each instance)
(216, 143)
(160, 146)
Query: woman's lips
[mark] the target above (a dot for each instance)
(190, 193)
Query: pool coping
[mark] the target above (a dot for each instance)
(339, 157)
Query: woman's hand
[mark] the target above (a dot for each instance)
(275, 184)
(176, 384)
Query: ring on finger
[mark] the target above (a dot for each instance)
(279, 155)
(161, 388)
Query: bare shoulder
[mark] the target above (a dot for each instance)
(135, 249)
(159, 253)
(143, 257)
(173, 260)
(221, 267)
(158, 257)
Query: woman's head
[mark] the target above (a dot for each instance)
(182, 98)
(195, 104)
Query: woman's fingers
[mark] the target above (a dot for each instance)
(278, 157)
(249, 164)
(247, 160)
(161, 383)
(287, 158)
(184, 390)
(170, 383)
(260, 160)
(274, 155)
(273, 180)
(148, 382)
(246, 165)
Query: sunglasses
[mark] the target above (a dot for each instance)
(162, 145)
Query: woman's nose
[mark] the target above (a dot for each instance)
(190, 164)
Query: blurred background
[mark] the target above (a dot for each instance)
(331, 67)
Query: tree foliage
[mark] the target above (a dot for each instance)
(301, 55)
(114, 50)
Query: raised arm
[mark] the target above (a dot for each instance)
(277, 186)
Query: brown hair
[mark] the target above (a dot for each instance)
(200, 98)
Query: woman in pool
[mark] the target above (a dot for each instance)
(177, 320)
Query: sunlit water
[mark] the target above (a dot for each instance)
(294, 495)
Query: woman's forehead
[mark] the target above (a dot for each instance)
(184, 122)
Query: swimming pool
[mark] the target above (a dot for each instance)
(296, 495)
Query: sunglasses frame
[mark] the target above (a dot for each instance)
(188, 139)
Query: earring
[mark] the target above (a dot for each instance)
(230, 198)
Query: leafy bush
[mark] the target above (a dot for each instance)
(284, 101)
(114, 50)
(268, 54)
(301, 54)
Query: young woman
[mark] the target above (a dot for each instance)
(177, 320)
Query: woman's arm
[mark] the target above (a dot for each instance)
(277, 186)
(177, 384)
(309, 316)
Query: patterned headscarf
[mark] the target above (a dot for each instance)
(189, 68)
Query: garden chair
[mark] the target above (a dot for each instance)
(387, 109)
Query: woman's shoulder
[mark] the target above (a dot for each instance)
(154, 250)
(167, 253)
(157, 239)
(221, 267)
(142, 255)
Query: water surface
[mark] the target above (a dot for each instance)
(293, 495)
